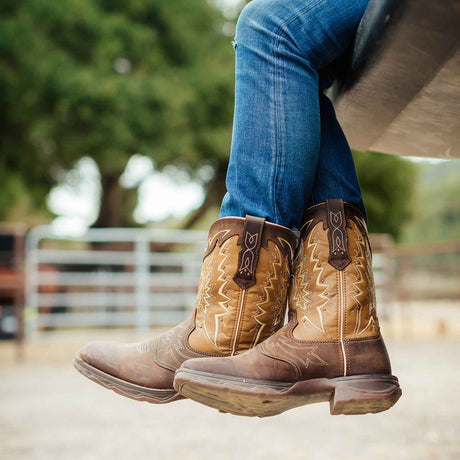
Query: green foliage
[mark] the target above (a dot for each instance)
(107, 79)
(436, 204)
(12, 191)
(387, 183)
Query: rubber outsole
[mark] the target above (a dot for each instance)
(346, 395)
(127, 389)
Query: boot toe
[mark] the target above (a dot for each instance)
(127, 363)
(103, 356)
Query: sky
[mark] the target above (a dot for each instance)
(160, 195)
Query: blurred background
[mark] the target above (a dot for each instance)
(115, 129)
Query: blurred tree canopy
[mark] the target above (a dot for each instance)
(107, 79)
(387, 183)
(436, 204)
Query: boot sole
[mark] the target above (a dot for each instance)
(353, 395)
(130, 390)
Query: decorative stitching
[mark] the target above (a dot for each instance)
(337, 238)
(251, 240)
(288, 349)
(336, 221)
(248, 257)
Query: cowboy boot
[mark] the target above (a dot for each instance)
(330, 350)
(241, 301)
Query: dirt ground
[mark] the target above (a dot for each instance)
(49, 411)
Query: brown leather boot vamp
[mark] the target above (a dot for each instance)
(143, 371)
(331, 349)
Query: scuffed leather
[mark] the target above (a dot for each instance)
(282, 358)
(150, 363)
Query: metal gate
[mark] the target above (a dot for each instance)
(111, 277)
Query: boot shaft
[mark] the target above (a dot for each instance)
(243, 286)
(332, 290)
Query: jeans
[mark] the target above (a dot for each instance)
(288, 150)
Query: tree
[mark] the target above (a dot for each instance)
(436, 204)
(387, 183)
(107, 79)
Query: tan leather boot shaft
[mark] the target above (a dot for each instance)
(243, 286)
(332, 290)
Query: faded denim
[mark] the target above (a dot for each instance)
(288, 150)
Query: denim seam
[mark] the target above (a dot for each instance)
(277, 107)
(292, 19)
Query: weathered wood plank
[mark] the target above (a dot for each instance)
(405, 100)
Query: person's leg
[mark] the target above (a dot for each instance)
(331, 349)
(280, 47)
(336, 174)
(248, 262)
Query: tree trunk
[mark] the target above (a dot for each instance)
(215, 191)
(117, 203)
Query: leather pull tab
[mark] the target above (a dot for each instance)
(339, 257)
(251, 239)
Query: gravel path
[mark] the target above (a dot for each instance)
(48, 411)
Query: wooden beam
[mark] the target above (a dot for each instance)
(405, 100)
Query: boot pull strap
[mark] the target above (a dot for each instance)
(339, 256)
(251, 239)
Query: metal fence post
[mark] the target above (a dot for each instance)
(142, 250)
(191, 269)
(31, 266)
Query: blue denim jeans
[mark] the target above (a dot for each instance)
(288, 150)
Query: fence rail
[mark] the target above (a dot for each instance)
(427, 271)
(111, 277)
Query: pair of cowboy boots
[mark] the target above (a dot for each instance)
(233, 354)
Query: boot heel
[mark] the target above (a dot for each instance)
(364, 394)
